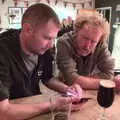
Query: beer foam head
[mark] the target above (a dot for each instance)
(107, 83)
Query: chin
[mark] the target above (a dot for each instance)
(83, 54)
(38, 53)
(42, 52)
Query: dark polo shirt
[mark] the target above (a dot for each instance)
(15, 80)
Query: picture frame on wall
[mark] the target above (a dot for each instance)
(14, 15)
(24, 9)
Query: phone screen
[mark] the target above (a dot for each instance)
(82, 100)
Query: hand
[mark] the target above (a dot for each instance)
(76, 92)
(77, 107)
(62, 102)
(117, 81)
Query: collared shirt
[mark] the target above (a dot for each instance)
(71, 65)
(15, 80)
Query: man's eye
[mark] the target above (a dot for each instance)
(47, 38)
(94, 41)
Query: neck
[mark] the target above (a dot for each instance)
(23, 44)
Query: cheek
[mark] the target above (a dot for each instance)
(39, 41)
(42, 43)
(93, 47)
(79, 44)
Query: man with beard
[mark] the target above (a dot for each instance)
(25, 59)
(82, 55)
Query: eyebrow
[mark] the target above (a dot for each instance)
(84, 37)
(87, 38)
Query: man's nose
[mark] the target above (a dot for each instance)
(50, 44)
(87, 45)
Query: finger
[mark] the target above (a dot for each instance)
(76, 107)
(65, 100)
(78, 90)
(71, 89)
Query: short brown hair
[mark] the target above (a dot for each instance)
(93, 18)
(38, 14)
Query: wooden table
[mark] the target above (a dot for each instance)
(89, 111)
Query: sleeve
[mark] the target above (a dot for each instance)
(66, 63)
(47, 67)
(4, 73)
(3, 92)
(105, 62)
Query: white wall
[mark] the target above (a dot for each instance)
(116, 48)
(59, 8)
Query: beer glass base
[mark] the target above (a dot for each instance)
(103, 118)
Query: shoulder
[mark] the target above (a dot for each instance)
(9, 40)
(65, 37)
(9, 35)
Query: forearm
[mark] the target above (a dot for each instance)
(87, 82)
(91, 82)
(56, 85)
(102, 75)
(22, 111)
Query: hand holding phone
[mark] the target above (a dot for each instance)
(82, 100)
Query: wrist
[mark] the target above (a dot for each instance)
(66, 88)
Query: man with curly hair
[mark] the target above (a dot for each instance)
(82, 55)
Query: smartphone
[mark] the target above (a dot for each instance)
(82, 100)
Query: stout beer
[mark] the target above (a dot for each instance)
(105, 95)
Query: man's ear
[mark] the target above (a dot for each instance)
(27, 28)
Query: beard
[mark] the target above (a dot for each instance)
(83, 52)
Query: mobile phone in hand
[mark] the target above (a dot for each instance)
(82, 100)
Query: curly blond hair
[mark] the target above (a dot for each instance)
(95, 19)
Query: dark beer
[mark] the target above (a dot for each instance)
(105, 94)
